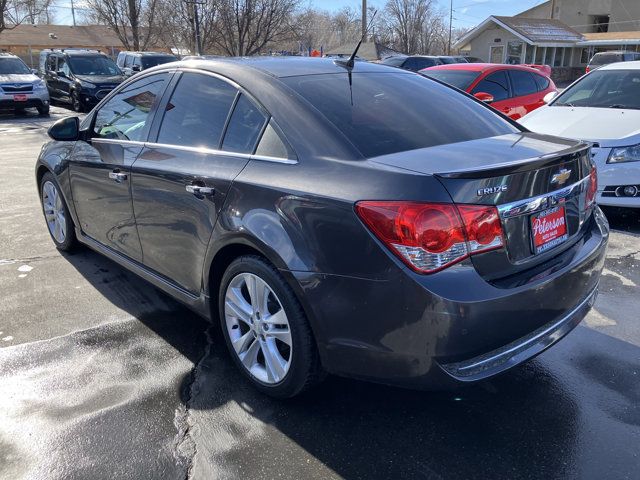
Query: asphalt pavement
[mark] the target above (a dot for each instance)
(103, 376)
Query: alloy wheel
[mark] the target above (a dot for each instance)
(258, 328)
(54, 211)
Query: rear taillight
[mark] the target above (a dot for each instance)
(429, 237)
(592, 188)
(587, 70)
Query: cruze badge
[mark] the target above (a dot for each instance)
(561, 177)
(491, 190)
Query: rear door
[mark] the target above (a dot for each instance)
(526, 97)
(203, 140)
(100, 167)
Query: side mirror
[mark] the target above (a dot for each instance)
(484, 97)
(34, 71)
(136, 68)
(65, 130)
(61, 73)
(549, 96)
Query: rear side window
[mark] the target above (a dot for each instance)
(523, 83)
(383, 113)
(197, 112)
(126, 115)
(245, 125)
(495, 84)
(541, 82)
(128, 61)
(272, 145)
(418, 63)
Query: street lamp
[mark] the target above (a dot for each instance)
(196, 24)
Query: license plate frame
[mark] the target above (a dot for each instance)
(548, 229)
(20, 97)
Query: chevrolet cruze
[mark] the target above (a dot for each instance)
(358, 220)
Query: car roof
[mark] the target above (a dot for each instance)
(483, 67)
(281, 67)
(150, 54)
(635, 65)
(8, 55)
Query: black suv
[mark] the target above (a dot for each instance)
(79, 77)
(413, 63)
(134, 62)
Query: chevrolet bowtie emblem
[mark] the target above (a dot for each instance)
(561, 177)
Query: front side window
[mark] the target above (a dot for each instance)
(604, 89)
(495, 84)
(461, 79)
(541, 82)
(197, 112)
(126, 115)
(245, 126)
(93, 65)
(384, 113)
(148, 62)
(63, 66)
(523, 83)
(128, 61)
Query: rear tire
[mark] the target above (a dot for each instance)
(260, 325)
(56, 214)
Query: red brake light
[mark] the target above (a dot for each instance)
(429, 237)
(587, 70)
(592, 189)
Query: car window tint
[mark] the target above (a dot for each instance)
(541, 82)
(393, 61)
(461, 79)
(495, 84)
(523, 83)
(383, 113)
(51, 63)
(272, 145)
(63, 66)
(197, 112)
(128, 61)
(244, 127)
(136, 61)
(418, 63)
(126, 115)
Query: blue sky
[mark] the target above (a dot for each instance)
(467, 13)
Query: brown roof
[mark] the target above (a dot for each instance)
(541, 29)
(612, 36)
(63, 36)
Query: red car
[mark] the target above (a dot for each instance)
(515, 90)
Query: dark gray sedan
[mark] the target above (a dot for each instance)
(362, 221)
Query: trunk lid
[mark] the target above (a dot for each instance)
(523, 175)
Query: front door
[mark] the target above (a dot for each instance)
(497, 54)
(180, 182)
(101, 167)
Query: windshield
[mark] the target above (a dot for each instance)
(606, 58)
(394, 112)
(9, 66)
(148, 62)
(604, 89)
(461, 79)
(95, 65)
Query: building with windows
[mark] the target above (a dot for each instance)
(562, 33)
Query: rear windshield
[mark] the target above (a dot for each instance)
(604, 89)
(9, 66)
(384, 113)
(606, 58)
(148, 62)
(461, 79)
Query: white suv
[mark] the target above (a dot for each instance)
(20, 88)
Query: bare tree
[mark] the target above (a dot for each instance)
(415, 26)
(248, 26)
(16, 12)
(133, 21)
(176, 28)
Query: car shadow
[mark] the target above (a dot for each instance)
(546, 419)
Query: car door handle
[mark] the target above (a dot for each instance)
(118, 176)
(199, 190)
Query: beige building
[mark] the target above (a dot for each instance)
(562, 33)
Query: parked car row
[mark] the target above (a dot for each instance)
(417, 238)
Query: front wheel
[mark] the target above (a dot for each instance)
(266, 330)
(76, 104)
(56, 214)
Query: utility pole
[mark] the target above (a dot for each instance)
(196, 25)
(450, 26)
(364, 21)
(73, 13)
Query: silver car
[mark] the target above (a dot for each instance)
(20, 88)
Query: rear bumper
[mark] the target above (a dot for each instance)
(452, 327)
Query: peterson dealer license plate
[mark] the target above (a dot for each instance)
(548, 229)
